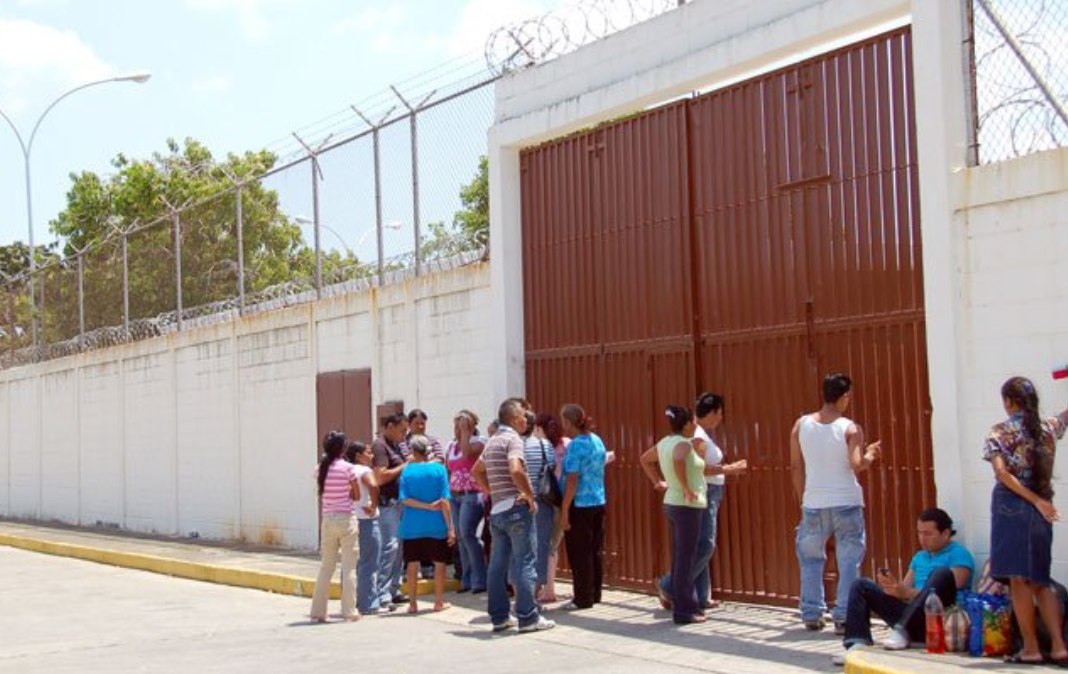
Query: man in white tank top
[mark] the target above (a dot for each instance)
(826, 453)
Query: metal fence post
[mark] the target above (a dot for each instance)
(178, 265)
(317, 174)
(81, 299)
(376, 146)
(240, 252)
(125, 289)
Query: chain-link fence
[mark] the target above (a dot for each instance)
(373, 200)
(1019, 77)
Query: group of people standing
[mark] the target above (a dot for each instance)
(406, 500)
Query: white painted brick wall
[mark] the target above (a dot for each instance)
(214, 430)
(59, 442)
(1014, 292)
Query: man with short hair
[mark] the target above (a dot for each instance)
(501, 472)
(388, 463)
(942, 566)
(826, 453)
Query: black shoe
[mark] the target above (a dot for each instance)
(400, 599)
(478, 590)
(462, 590)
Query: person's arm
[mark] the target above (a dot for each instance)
(736, 468)
(650, 463)
(570, 489)
(678, 463)
(1001, 472)
(372, 487)
(383, 473)
(478, 473)
(470, 446)
(860, 458)
(797, 462)
(446, 512)
(517, 468)
(902, 589)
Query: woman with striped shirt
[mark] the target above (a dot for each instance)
(338, 482)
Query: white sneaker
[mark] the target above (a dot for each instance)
(839, 659)
(540, 626)
(897, 640)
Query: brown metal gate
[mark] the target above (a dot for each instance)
(747, 241)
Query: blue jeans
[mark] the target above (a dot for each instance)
(367, 600)
(390, 558)
(467, 511)
(706, 548)
(544, 522)
(685, 523)
(513, 550)
(846, 524)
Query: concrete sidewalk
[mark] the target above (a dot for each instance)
(738, 638)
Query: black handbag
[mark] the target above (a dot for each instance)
(548, 486)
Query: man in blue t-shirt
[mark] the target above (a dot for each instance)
(941, 566)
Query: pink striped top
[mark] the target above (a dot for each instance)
(337, 492)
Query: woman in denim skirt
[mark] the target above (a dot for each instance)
(1021, 450)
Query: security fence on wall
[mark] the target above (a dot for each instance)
(374, 196)
(1018, 73)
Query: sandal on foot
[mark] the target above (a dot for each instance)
(412, 610)
(1018, 658)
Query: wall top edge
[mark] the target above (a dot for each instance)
(1024, 177)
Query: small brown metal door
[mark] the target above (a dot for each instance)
(343, 402)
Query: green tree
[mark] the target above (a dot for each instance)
(470, 225)
(138, 198)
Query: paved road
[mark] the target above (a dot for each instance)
(63, 615)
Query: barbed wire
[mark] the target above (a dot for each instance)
(526, 43)
(1021, 80)
(398, 269)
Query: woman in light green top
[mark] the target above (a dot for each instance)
(676, 469)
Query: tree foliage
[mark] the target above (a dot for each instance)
(470, 225)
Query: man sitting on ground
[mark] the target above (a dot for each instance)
(941, 566)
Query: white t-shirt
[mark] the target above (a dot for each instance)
(365, 494)
(829, 478)
(713, 455)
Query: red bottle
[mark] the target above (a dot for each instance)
(936, 624)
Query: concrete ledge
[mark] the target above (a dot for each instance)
(278, 583)
(918, 661)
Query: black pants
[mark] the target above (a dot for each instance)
(584, 542)
(685, 523)
(866, 597)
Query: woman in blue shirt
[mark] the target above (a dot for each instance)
(582, 512)
(426, 524)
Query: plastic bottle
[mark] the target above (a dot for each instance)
(936, 624)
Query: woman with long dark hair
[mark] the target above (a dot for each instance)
(1021, 450)
(338, 483)
(547, 426)
(582, 512)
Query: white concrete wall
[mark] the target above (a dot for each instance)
(1011, 233)
(213, 430)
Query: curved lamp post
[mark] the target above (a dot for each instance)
(305, 220)
(139, 77)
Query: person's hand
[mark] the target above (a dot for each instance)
(609, 457)
(1048, 510)
(873, 451)
(451, 538)
(565, 523)
(887, 581)
(690, 495)
(370, 510)
(738, 467)
(660, 486)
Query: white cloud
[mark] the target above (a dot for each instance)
(216, 85)
(371, 21)
(251, 14)
(32, 53)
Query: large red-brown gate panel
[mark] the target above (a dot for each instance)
(747, 241)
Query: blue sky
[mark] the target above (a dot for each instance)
(234, 74)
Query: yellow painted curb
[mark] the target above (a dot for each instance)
(862, 662)
(278, 583)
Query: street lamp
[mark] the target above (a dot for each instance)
(140, 77)
(305, 220)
